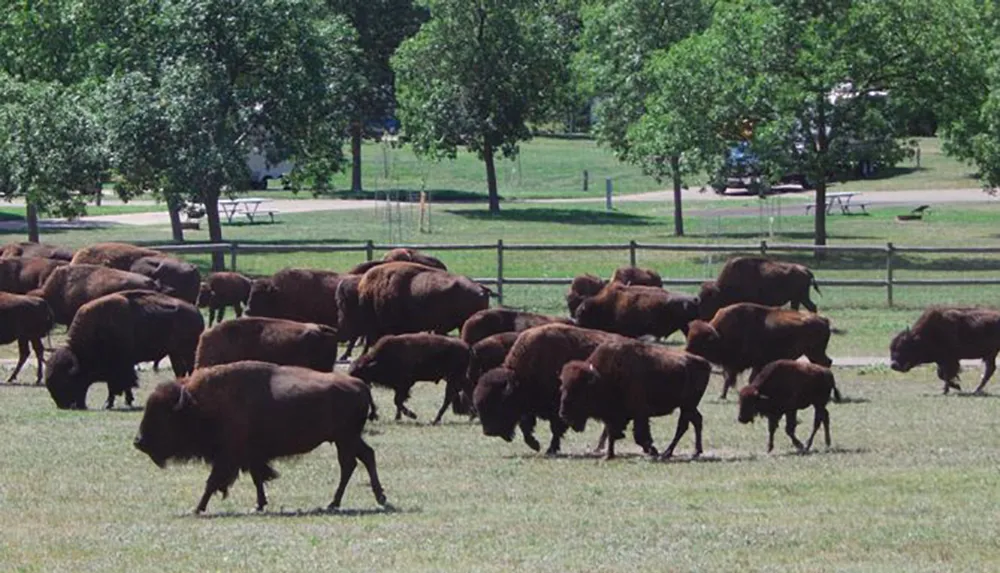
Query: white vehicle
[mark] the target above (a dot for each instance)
(261, 171)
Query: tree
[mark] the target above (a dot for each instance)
(615, 64)
(381, 26)
(227, 80)
(474, 76)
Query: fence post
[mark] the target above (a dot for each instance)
(500, 271)
(370, 249)
(631, 252)
(889, 248)
(763, 248)
(608, 189)
(233, 247)
(586, 180)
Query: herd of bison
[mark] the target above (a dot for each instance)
(263, 386)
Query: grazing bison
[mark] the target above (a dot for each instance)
(582, 287)
(241, 416)
(177, 278)
(21, 275)
(526, 387)
(784, 387)
(223, 289)
(350, 319)
(71, 286)
(748, 335)
(119, 256)
(489, 353)
(414, 256)
(637, 276)
(946, 335)
(397, 298)
(631, 380)
(274, 340)
(36, 251)
(496, 320)
(25, 319)
(112, 334)
(637, 310)
(305, 295)
(400, 361)
(759, 280)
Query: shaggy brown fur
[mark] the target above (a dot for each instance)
(223, 289)
(112, 334)
(637, 276)
(350, 323)
(36, 250)
(274, 340)
(414, 256)
(489, 353)
(25, 319)
(637, 311)
(622, 381)
(71, 286)
(784, 387)
(119, 256)
(945, 335)
(20, 275)
(241, 416)
(582, 287)
(305, 295)
(400, 361)
(759, 280)
(748, 335)
(496, 320)
(177, 278)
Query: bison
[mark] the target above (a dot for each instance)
(489, 353)
(110, 335)
(637, 276)
(36, 251)
(71, 286)
(946, 335)
(526, 386)
(631, 380)
(21, 275)
(350, 319)
(242, 416)
(748, 335)
(496, 320)
(582, 288)
(400, 361)
(119, 256)
(414, 256)
(223, 289)
(759, 280)
(306, 295)
(177, 278)
(274, 340)
(637, 310)
(784, 387)
(25, 319)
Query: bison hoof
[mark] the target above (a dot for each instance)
(381, 499)
(334, 506)
(532, 443)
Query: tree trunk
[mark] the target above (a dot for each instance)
(822, 147)
(174, 208)
(214, 227)
(31, 214)
(356, 157)
(491, 177)
(675, 168)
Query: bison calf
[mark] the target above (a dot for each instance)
(274, 340)
(631, 380)
(582, 288)
(241, 416)
(781, 389)
(26, 319)
(496, 320)
(637, 310)
(223, 289)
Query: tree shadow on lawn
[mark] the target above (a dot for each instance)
(868, 261)
(387, 509)
(780, 237)
(556, 215)
(405, 195)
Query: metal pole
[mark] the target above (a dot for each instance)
(607, 193)
(631, 252)
(500, 271)
(370, 249)
(586, 180)
(889, 248)
(763, 248)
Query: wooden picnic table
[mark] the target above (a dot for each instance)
(248, 206)
(842, 200)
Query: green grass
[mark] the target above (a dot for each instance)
(18, 212)
(910, 484)
(936, 171)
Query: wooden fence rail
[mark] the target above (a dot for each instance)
(632, 248)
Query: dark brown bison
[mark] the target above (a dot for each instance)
(177, 278)
(397, 298)
(274, 340)
(36, 250)
(26, 320)
(946, 335)
(241, 416)
(400, 361)
(350, 323)
(526, 387)
(414, 256)
(496, 320)
(223, 289)
(305, 295)
(21, 275)
(637, 276)
(362, 268)
(759, 280)
(119, 256)
(489, 353)
(748, 335)
(582, 287)
(637, 310)
(71, 286)
(631, 380)
(112, 334)
(784, 387)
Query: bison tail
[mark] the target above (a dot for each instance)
(838, 331)
(815, 285)
(836, 395)
(373, 412)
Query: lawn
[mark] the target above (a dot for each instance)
(909, 484)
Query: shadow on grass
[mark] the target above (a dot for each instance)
(557, 215)
(408, 195)
(820, 451)
(882, 174)
(387, 509)
(869, 261)
(961, 394)
(844, 400)
(801, 236)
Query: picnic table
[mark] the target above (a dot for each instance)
(842, 200)
(249, 206)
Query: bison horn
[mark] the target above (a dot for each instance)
(184, 400)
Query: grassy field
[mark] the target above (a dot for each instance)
(910, 484)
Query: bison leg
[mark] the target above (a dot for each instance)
(402, 395)
(156, 365)
(772, 426)
(602, 440)
(348, 458)
(820, 418)
(558, 428)
(110, 402)
(262, 473)
(238, 309)
(810, 305)
(818, 356)
(527, 425)
(36, 345)
(350, 348)
(221, 477)
(22, 357)
(790, 423)
(728, 381)
(129, 398)
(683, 421)
(948, 372)
(367, 456)
(450, 394)
(990, 366)
(220, 313)
(643, 436)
